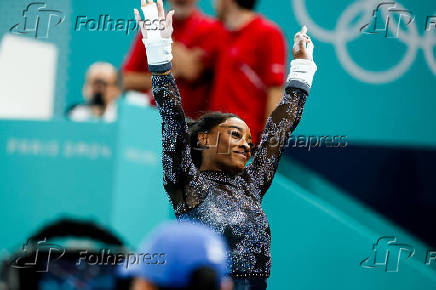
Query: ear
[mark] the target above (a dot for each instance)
(86, 92)
(203, 139)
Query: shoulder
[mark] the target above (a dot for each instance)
(80, 113)
(208, 23)
(268, 27)
(204, 18)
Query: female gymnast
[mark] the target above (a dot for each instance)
(205, 164)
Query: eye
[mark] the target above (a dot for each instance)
(236, 134)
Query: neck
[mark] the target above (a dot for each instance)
(238, 18)
(208, 167)
(231, 171)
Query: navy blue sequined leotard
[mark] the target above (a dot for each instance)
(228, 203)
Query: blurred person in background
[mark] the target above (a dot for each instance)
(100, 91)
(197, 42)
(188, 257)
(59, 255)
(250, 71)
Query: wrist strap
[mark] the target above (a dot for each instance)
(302, 70)
(158, 51)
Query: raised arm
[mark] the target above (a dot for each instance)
(285, 117)
(178, 167)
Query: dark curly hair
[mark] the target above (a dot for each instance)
(246, 4)
(205, 123)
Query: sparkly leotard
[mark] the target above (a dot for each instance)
(227, 202)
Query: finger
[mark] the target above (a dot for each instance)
(304, 29)
(143, 5)
(139, 22)
(300, 44)
(310, 47)
(297, 40)
(137, 16)
(300, 35)
(169, 19)
(150, 1)
(297, 35)
(160, 9)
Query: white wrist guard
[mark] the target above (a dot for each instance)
(158, 50)
(302, 70)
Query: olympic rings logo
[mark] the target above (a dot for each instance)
(345, 32)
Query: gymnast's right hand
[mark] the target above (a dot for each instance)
(156, 32)
(303, 67)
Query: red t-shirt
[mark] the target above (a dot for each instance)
(196, 31)
(252, 61)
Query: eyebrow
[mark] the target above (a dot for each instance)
(230, 126)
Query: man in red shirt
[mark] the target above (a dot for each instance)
(250, 71)
(197, 41)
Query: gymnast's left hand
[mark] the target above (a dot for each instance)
(303, 45)
(156, 31)
(303, 67)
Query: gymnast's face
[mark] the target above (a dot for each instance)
(183, 8)
(229, 146)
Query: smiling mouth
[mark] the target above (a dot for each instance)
(245, 154)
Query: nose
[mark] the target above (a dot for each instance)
(245, 145)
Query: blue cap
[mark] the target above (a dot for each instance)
(174, 250)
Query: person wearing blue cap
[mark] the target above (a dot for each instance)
(205, 169)
(181, 255)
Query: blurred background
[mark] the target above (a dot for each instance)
(360, 166)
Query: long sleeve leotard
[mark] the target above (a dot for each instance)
(227, 202)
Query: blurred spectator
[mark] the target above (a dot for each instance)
(197, 40)
(250, 71)
(60, 256)
(189, 256)
(101, 90)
